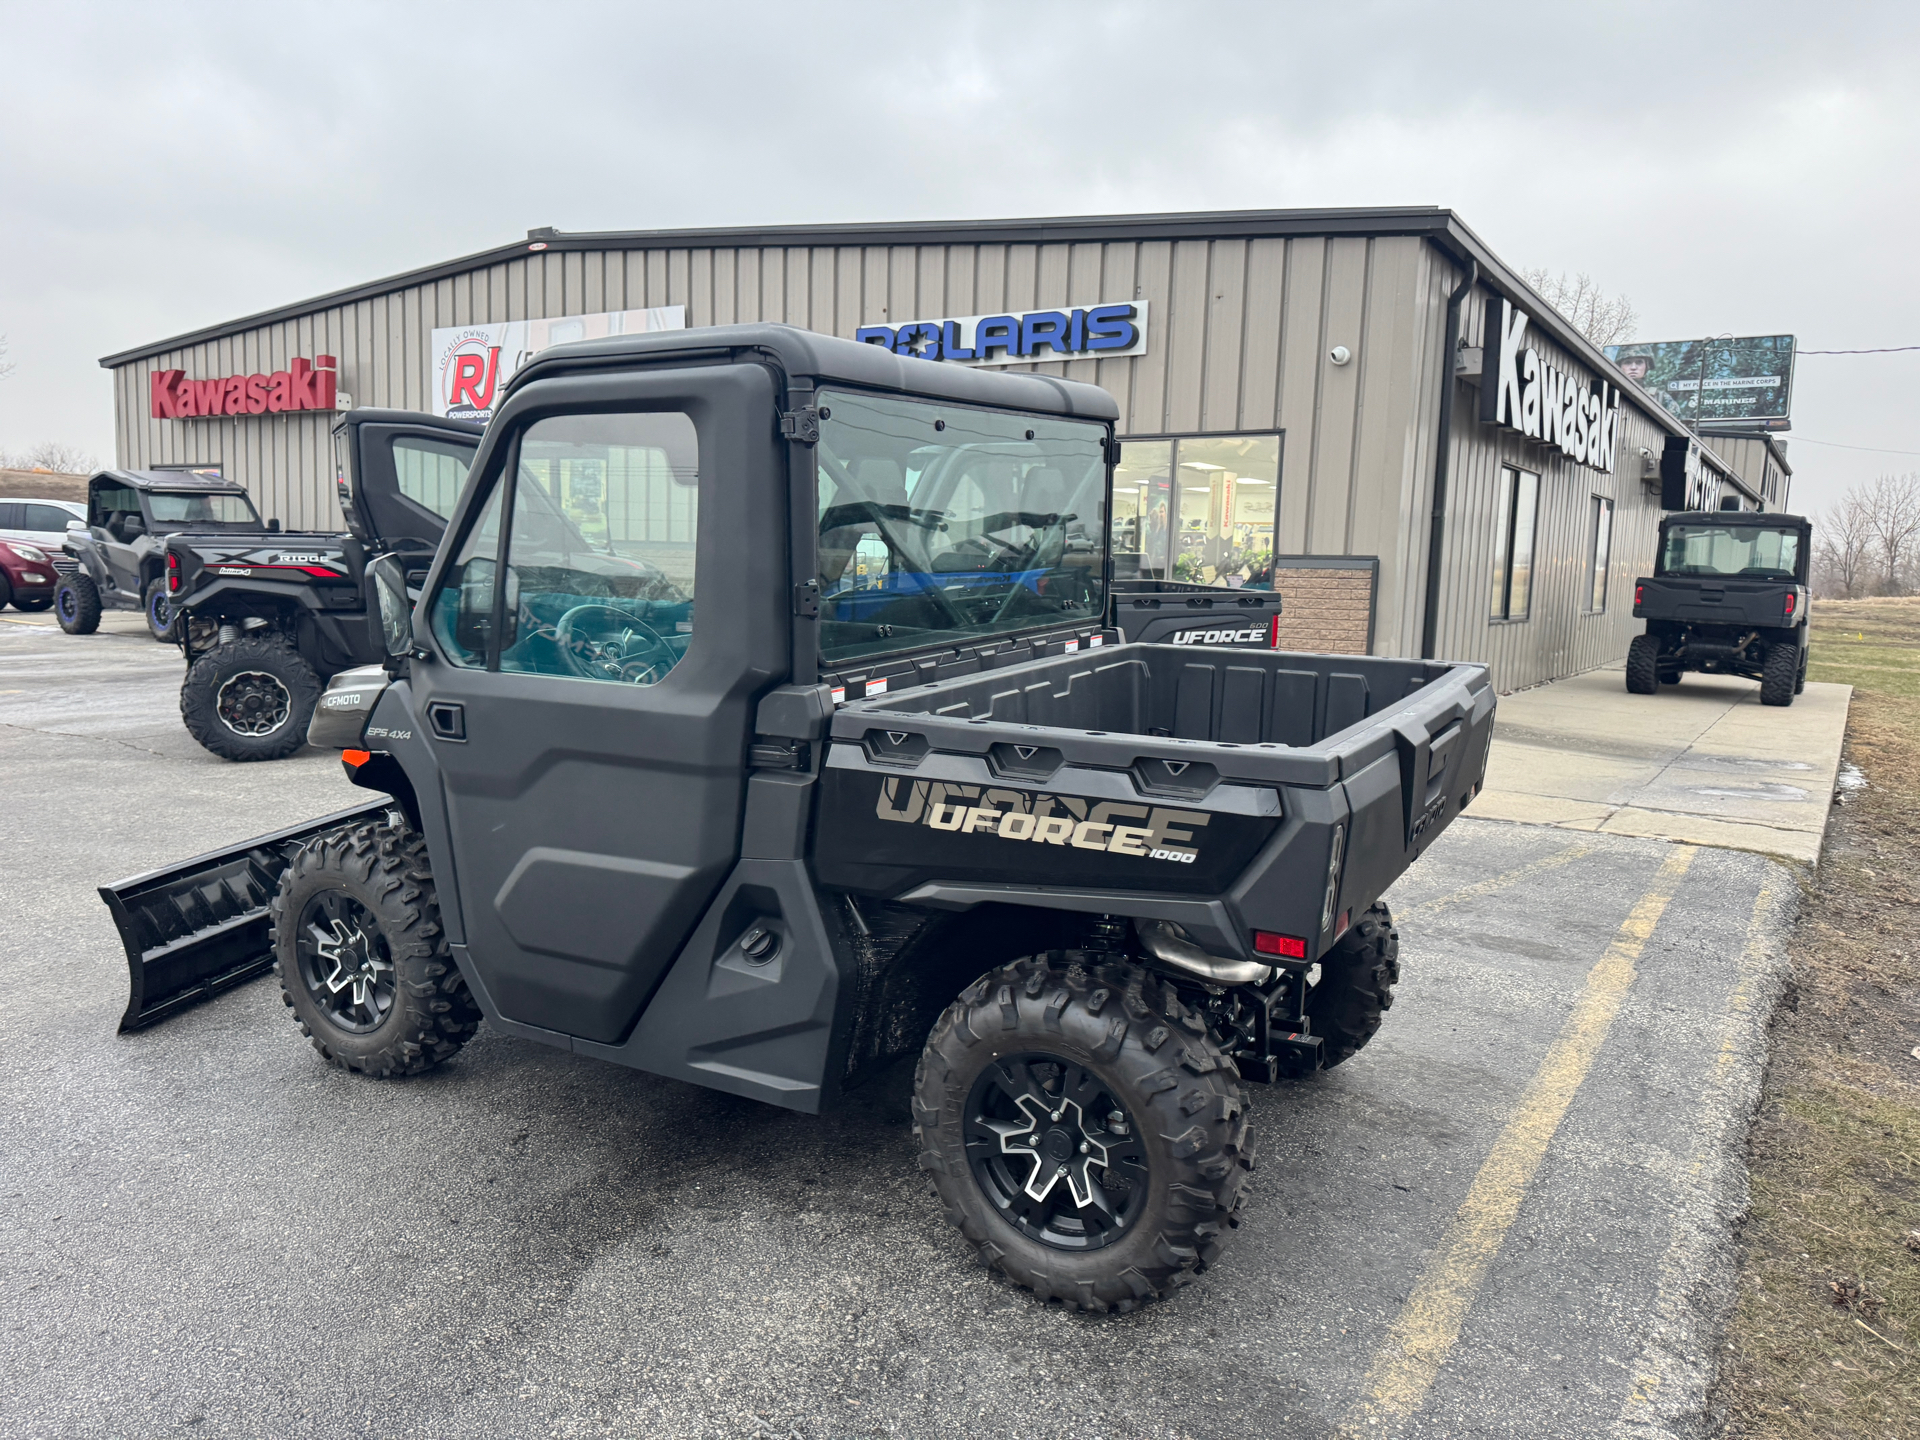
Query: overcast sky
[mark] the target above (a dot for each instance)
(1745, 168)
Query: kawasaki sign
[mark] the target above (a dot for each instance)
(1524, 393)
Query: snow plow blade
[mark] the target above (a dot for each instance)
(195, 929)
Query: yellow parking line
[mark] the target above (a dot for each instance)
(1418, 1343)
(1500, 882)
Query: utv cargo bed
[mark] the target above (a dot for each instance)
(1206, 774)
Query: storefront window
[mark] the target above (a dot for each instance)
(1514, 544)
(1601, 531)
(1198, 509)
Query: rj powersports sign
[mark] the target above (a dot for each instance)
(1523, 392)
(303, 385)
(1749, 379)
(1099, 332)
(473, 363)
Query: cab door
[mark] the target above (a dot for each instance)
(401, 477)
(610, 607)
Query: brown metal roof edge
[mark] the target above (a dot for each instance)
(1182, 225)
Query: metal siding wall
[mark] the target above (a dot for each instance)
(1239, 335)
(1559, 638)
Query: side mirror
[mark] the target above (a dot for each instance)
(396, 612)
(273, 523)
(79, 525)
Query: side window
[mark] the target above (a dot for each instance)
(600, 556)
(430, 472)
(463, 610)
(45, 517)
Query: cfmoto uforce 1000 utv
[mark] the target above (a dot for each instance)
(759, 722)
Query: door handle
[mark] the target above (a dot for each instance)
(448, 720)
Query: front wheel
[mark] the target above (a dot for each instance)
(1778, 673)
(1643, 666)
(76, 604)
(1082, 1130)
(32, 603)
(363, 961)
(163, 621)
(250, 700)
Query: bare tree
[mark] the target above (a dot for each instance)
(1843, 546)
(51, 455)
(1604, 319)
(1870, 541)
(1895, 522)
(7, 367)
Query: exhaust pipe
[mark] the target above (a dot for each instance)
(1169, 944)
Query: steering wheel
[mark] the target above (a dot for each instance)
(604, 642)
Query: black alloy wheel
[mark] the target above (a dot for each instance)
(161, 615)
(253, 703)
(1055, 1151)
(344, 962)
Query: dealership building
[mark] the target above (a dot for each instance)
(1364, 409)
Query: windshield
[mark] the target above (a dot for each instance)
(944, 524)
(1731, 550)
(173, 508)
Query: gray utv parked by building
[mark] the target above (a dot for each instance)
(119, 550)
(1729, 596)
(262, 617)
(760, 724)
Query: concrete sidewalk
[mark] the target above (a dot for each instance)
(1703, 761)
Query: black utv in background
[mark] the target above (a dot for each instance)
(1729, 596)
(119, 550)
(760, 723)
(262, 617)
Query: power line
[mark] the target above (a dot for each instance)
(1879, 350)
(1836, 445)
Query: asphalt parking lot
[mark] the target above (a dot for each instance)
(1509, 1216)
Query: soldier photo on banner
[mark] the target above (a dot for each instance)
(1714, 381)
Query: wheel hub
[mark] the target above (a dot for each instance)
(344, 962)
(253, 703)
(1054, 1150)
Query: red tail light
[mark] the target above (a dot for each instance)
(1637, 595)
(173, 573)
(1274, 632)
(1293, 948)
(1788, 608)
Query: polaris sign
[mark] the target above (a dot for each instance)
(1098, 332)
(1522, 392)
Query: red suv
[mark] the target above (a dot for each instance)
(27, 576)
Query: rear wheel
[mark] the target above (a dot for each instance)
(76, 604)
(1082, 1130)
(1643, 665)
(250, 700)
(6, 591)
(163, 621)
(363, 962)
(1358, 975)
(37, 602)
(1778, 674)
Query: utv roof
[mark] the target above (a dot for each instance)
(825, 358)
(173, 480)
(1737, 517)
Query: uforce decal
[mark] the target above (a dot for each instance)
(1220, 637)
(1153, 833)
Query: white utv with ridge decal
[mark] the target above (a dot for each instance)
(760, 722)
